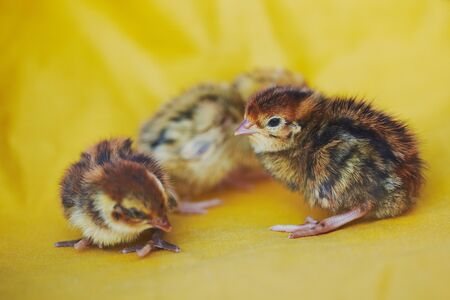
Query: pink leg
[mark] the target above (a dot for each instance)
(312, 227)
(198, 207)
(82, 244)
(77, 244)
(145, 250)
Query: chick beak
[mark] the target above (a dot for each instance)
(244, 128)
(161, 223)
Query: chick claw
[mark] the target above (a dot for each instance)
(199, 207)
(309, 223)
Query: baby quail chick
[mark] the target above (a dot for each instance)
(113, 194)
(342, 154)
(192, 136)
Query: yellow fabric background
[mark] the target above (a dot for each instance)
(73, 72)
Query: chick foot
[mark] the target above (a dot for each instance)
(79, 244)
(312, 227)
(199, 207)
(155, 243)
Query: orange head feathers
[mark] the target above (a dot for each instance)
(275, 116)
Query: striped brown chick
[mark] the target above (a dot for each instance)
(192, 135)
(113, 194)
(341, 154)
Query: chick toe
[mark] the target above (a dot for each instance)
(70, 243)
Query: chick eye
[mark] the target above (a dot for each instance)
(134, 213)
(116, 215)
(274, 122)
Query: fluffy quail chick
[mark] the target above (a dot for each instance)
(192, 136)
(342, 154)
(113, 194)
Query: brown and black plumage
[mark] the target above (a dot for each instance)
(113, 194)
(342, 154)
(192, 135)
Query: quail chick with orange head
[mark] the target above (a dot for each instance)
(192, 136)
(113, 194)
(343, 155)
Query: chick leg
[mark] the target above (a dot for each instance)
(143, 250)
(199, 207)
(79, 244)
(312, 227)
